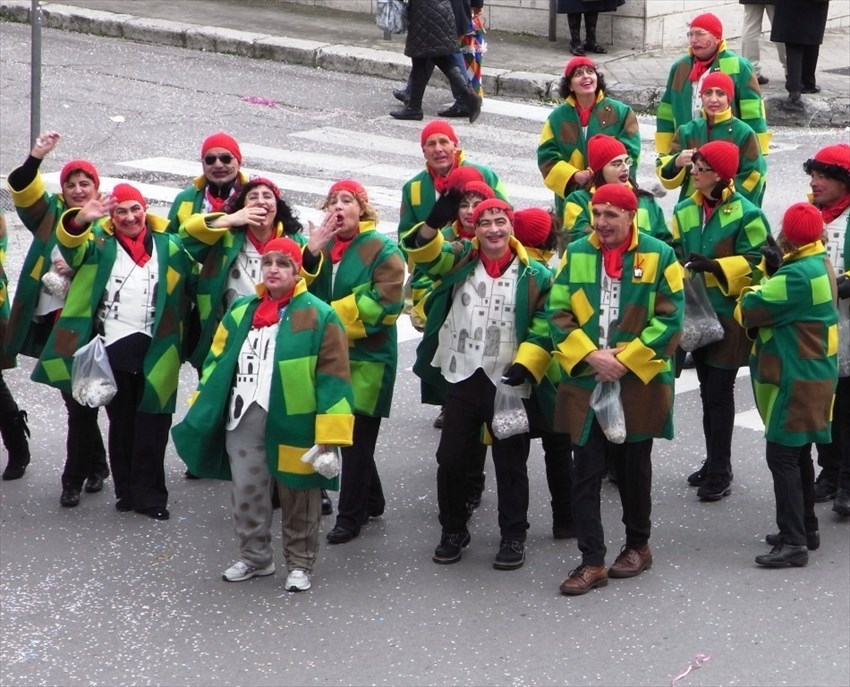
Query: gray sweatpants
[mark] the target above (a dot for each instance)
(301, 509)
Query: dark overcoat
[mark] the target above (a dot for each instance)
(576, 6)
(434, 26)
(799, 21)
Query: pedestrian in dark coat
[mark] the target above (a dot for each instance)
(800, 24)
(590, 9)
(433, 36)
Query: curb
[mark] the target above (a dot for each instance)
(822, 111)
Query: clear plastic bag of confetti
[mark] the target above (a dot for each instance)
(701, 326)
(325, 462)
(92, 381)
(55, 284)
(509, 415)
(608, 406)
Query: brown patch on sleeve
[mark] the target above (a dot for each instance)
(725, 247)
(304, 320)
(568, 133)
(631, 125)
(571, 408)
(769, 368)
(681, 75)
(212, 265)
(169, 323)
(633, 319)
(368, 251)
(65, 341)
(333, 353)
(811, 340)
(48, 222)
(809, 405)
(388, 278)
(646, 406)
(607, 116)
(750, 149)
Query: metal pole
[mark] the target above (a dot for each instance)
(553, 20)
(35, 72)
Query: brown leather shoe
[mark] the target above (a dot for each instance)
(583, 579)
(631, 562)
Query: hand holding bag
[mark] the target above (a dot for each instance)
(324, 459)
(92, 381)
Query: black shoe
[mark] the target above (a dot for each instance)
(563, 530)
(793, 104)
(14, 471)
(450, 547)
(698, 477)
(456, 110)
(93, 484)
(576, 47)
(783, 555)
(825, 489)
(841, 504)
(438, 421)
(327, 506)
(593, 46)
(155, 512)
(189, 475)
(714, 489)
(812, 540)
(511, 555)
(123, 505)
(401, 94)
(813, 88)
(407, 113)
(340, 535)
(473, 104)
(763, 80)
(70, 497)
(375, 511)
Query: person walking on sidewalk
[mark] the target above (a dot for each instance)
(792, 319)
(574, 9)
(754, 11)
(434, 30)
(681, 101)
(615, 315)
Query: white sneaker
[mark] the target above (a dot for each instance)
(297, 581)
(241, 571)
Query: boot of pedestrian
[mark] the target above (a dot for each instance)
(15, 433)
(841, 504)
(590, 44)
(574, 22)
(783, 555)
(402, 95)
(460, 84)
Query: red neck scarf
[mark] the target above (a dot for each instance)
(259, 245)
(340, 247)
(139, 248)
(585, 112)
(216, 203)
(496, 268)
(700, 67)
(441, 183)
(612, 258)
(709, 205)
(268, 311)
(461, 232)
(833, 211)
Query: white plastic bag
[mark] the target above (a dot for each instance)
(391, 16)
(608, 406)
(92, 381)
(509, 416)
(326, 463)
(701, 326)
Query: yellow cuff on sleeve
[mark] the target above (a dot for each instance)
(535, 359)
(737, 272)
(427, 253)
(28, 195)
(337, 429)
(641, 360)
(71, 240)
(348, 313)
(572, 350)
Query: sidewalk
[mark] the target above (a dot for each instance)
(518, 66)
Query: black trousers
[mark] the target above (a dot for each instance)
(468, 405)
(634, 479)
(717, 392)
(85, 454)
(420, 73)
(360, 490)
(793, 488)
(834, 458)
(802, 61)
(137, 443)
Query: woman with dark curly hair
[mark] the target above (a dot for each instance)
(585, 112)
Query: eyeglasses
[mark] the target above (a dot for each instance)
(583, 71)
(696, 33)
(224, 158)
(700, 169)
(619, 164)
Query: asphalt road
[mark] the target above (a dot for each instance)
(90, 596)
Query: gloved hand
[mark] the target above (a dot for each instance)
(516, 374)
(843, 283)
(700, 263)
(772, 256)
(445, 209)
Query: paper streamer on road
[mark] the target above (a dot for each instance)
(697, 662)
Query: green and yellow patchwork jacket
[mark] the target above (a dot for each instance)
(215, 250)
(752, 168)
(562, 150)
(310, 401)
(448, 264)
(578, 216)
(794, 364)
(650, 326)
(190, 201)
(5, 361)
(733, 235)
(675, 108)
(92, 255)
(367, 294)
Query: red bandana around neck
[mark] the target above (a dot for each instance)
(135, 246)
(831, 212)
(496, 268)
(268, 311)
(259, 245)
(441, 183)
(709, 205)
(584, 113)
(612, 258)
(700, 67)
(340, 247)
(215, 203)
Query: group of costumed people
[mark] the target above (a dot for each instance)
(565, 325)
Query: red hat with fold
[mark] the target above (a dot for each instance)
(355, 188)
(532, 226)
(577, 62)
(438, 126)
(617, 195)
(261, 181)
(802, 223)
(460, 176)
(719, 80)
(601, 149)
(708, 22)
(492, 204)
(83, 166)
(722, 156)
(479, 188)
(124, 192)
(288, 247)
(222, 140)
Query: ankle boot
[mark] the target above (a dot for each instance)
(413, 105)
(574, 22)
(460, 84)
(590, 44)
(14, 429)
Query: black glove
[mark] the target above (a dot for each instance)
(843, 283)
(772, 256)
(445, 209)
(700, 263)
(516, 374)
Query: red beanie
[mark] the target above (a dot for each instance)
(802, 223)
(722, 156)
(261, 181)
(601, 149)
(719, 80)
(532, 226)
(837, 155)
(438, 126)
(479, 188)
(353, 187)
(222, 140)
(79, 166)
(708, 22)
(288, 247)
(492, 204)
(461, 176)
(577, 62)
(125, 192)
(617, 195)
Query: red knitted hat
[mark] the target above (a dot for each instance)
(353, 187)
(601, 149)
(837, 155)
(617, 195)
(577, 62)
(708, 22)
(461, 176)
(479, 188)
(124, 192)
(532, 226)
(492, 204)
(261, 181)
(438, 126)
(722, 156)
(288, 247)
(83, 166)
(222, 140)
(802, 223)
(719, 80)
